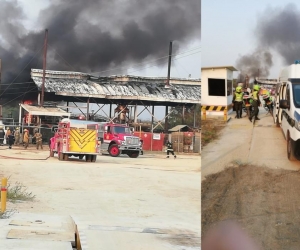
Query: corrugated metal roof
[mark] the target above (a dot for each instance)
(178, 128)
(139, 88)
(48, 111)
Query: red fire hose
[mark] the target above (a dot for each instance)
(17, 158)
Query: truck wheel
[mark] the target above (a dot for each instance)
(291, 145)
(60, 156)
(94, 158)
(81, 157)
(114, 151)
(66, 157)
(88, 158)
(133, 154)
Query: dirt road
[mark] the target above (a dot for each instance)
(261, 193)
(144, 203)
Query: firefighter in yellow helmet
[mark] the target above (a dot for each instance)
(39, 139)
(237, 101)
(255, 102)
(17, 136)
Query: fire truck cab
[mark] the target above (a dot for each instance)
(118, 139)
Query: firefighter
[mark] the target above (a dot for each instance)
(38, 139)
(237, 101)
(10, 140)
(8, 132)
(17, 136)
(2, 135)
(255, 102)
(170, 149)
(25, 138)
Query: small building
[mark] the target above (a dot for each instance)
(217, 89)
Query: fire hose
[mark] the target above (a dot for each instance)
(17, 158)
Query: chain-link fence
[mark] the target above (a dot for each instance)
(46, 132)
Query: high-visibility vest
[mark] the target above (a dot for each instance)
(255, 95)
(238, 97)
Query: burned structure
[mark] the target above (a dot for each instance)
(127, 92)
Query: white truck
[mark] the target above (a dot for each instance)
(286, 113)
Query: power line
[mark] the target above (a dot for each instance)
(20, 96)
(22, 70)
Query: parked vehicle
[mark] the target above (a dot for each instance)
(76, 138)
(287, 115)
(118, 139)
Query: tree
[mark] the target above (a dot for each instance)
(175, 118)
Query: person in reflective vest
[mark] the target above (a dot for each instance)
(25, 138)
(237, 101)
(39, 140)
(255, 102)
(17, 136)
(247, 101)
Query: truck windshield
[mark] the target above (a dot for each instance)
(121, 130)
(296, 94)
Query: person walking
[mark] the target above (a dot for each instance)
(237, 101)
(8, 132)
(255, 102)
(26, 138)
(170, 149)
(17, 136)
(10, 140)
(38, 139)
(2, 135)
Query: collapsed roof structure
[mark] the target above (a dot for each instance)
(76, 86)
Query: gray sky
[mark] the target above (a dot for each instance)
(265, 34)
(109, 19)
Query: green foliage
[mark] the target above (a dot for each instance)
(18, 192)
(176, 116)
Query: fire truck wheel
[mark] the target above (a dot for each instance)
(61, 156)
(88, 158)
(133, 154)
(94, 158)
(66, 157)
(114, 151)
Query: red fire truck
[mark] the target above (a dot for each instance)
(118, 139)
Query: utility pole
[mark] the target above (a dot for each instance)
(44, 67)
(169, 64)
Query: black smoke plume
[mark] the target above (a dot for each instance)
(94, 35)
(277, 31)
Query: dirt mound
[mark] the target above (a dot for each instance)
(265, 201)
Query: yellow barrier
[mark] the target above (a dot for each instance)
(3, 194)
(204, 114)
(225, 114)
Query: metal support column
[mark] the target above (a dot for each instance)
(135, 113)
(20, 115)
(88, 109)
(183, 110)
(152, 120)
(110, 109)
(166, 119)
(195, 106)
